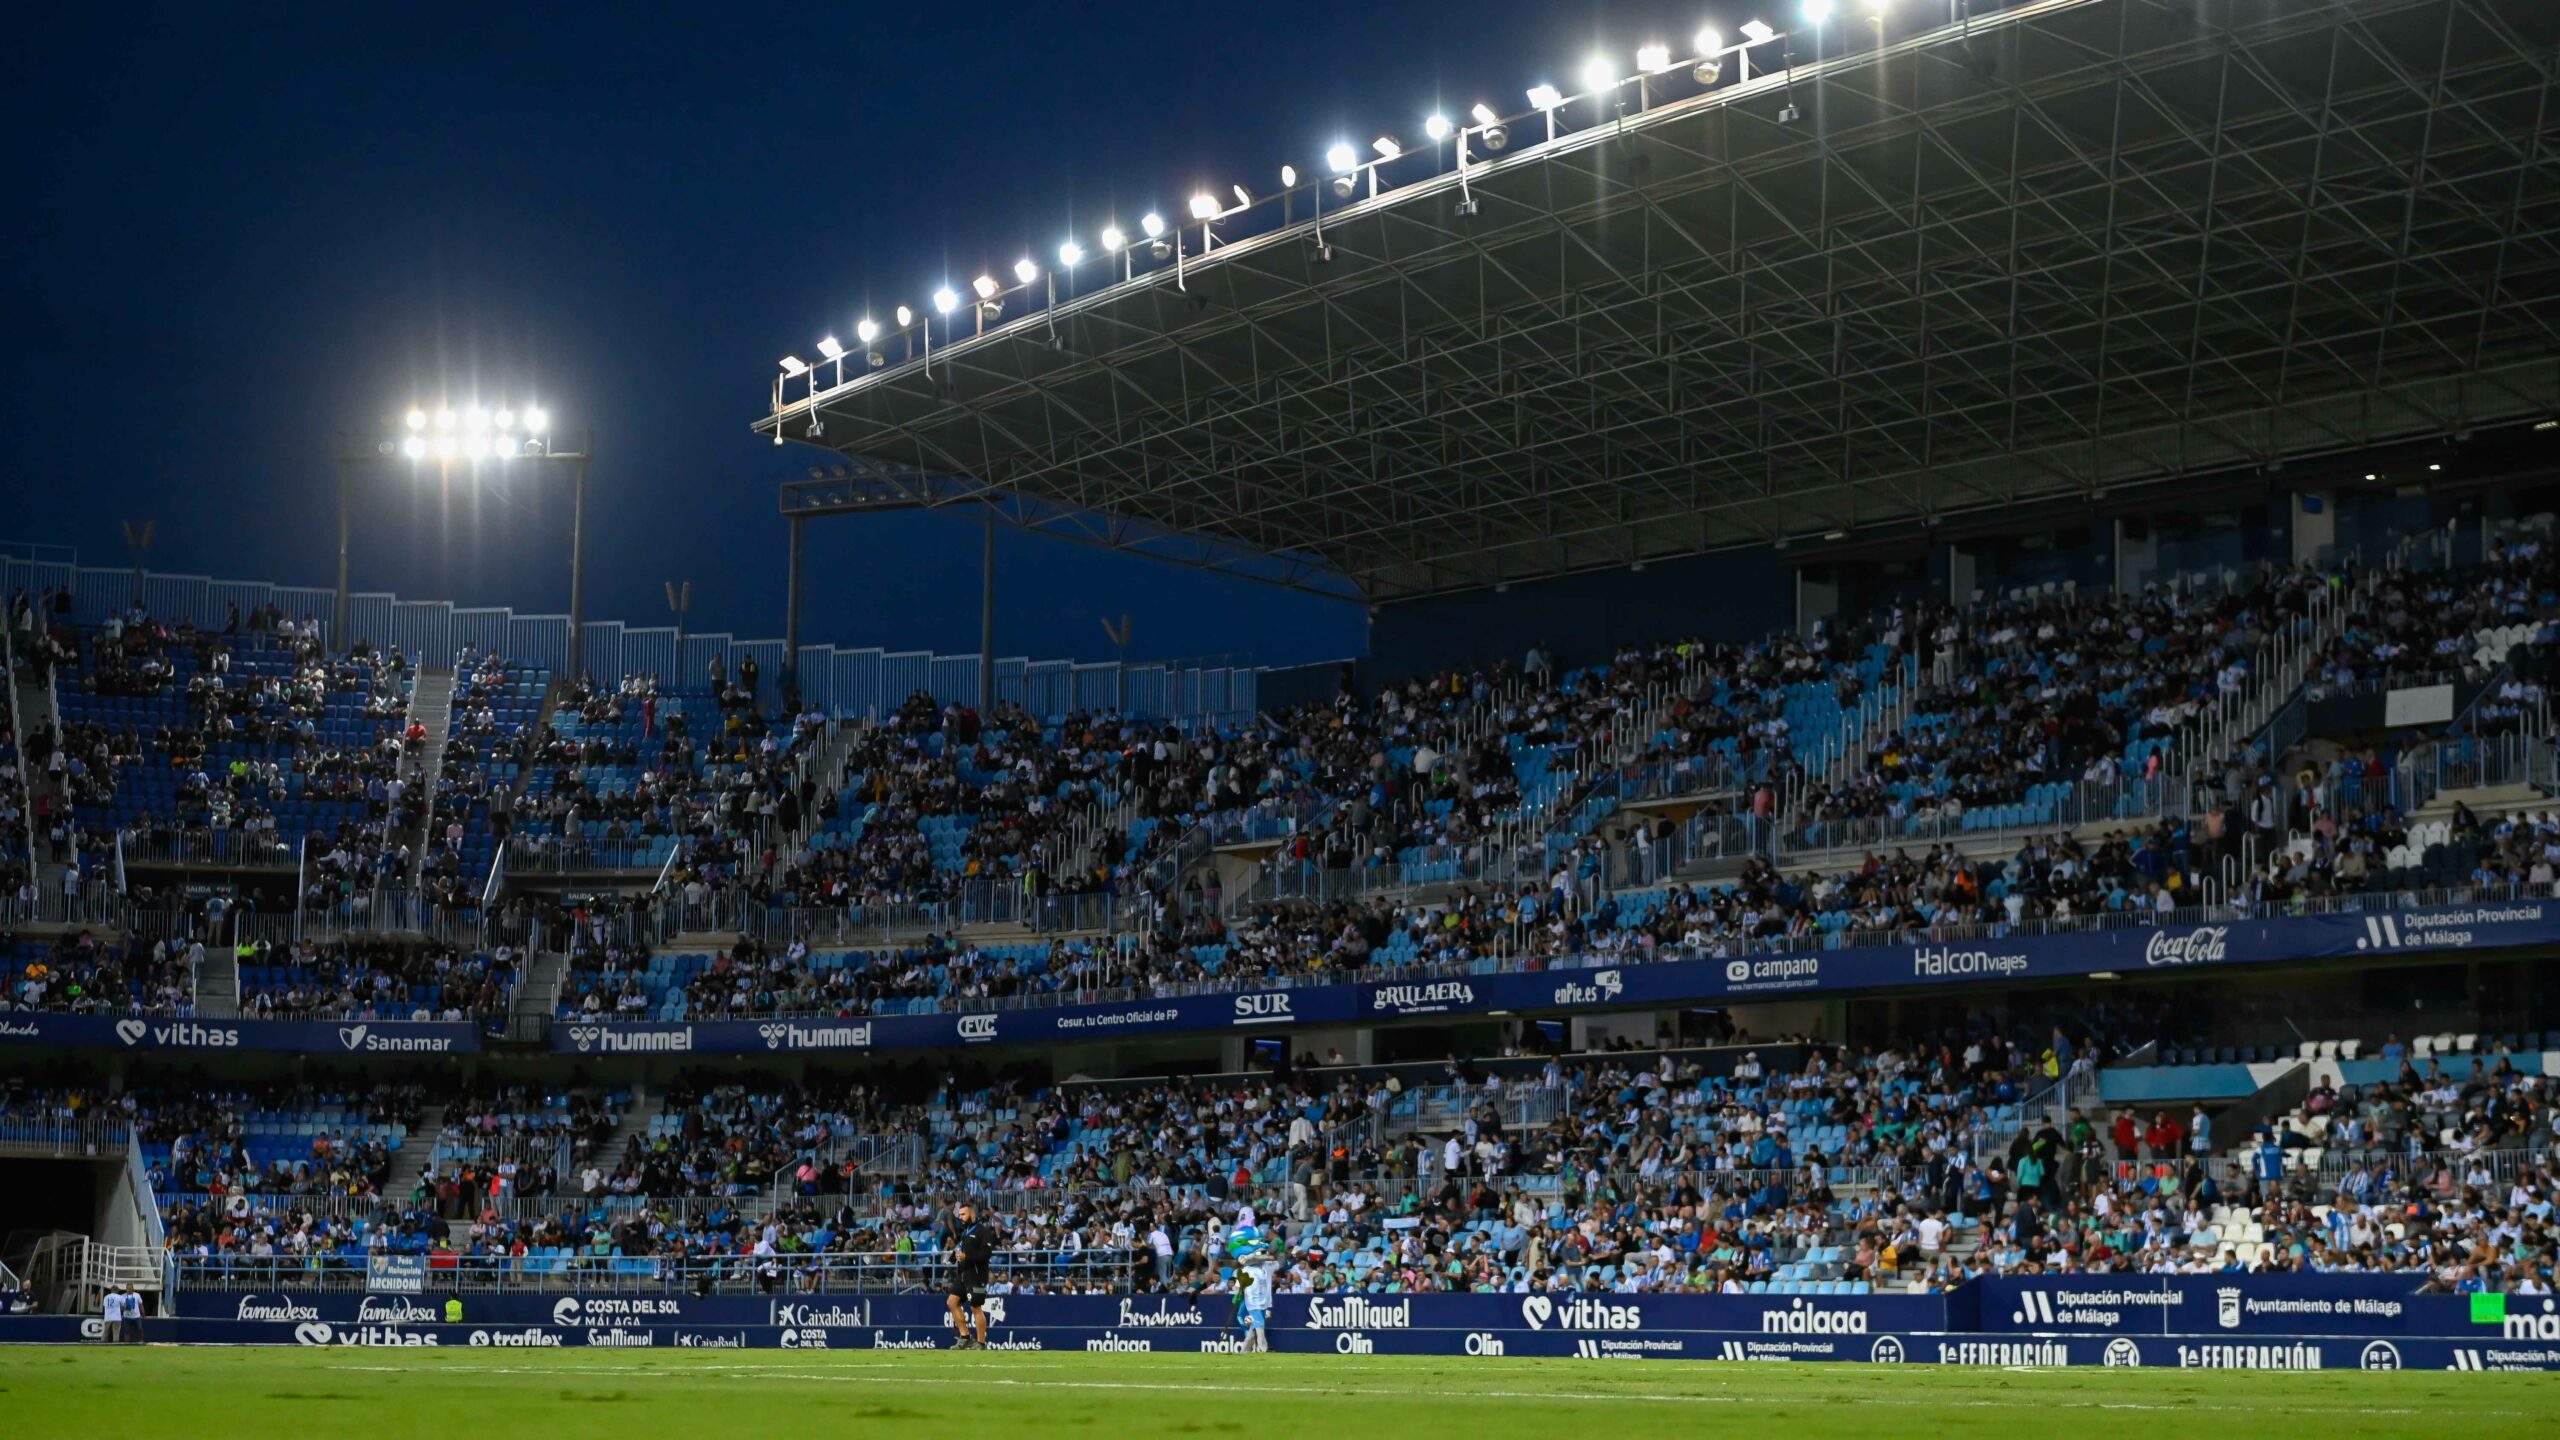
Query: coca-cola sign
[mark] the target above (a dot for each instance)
(2204, 945)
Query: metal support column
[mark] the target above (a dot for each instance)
(791, 606)
(987, 619)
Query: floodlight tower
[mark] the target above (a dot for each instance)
(472, 441)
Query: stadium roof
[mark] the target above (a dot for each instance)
(2068, 249)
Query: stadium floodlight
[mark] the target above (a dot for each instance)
(1342, 157)
(866, 330)
(1069, 253)
(945, 301)
(1437, 127)
(504, 419)
(1483, 114)
(415, 447)
(1817, 13)
(906, 317)
(1113, 239)
(1653, 59)
(476, 446)
(1876, 8)
(985, 285)
(444, 419)
(1288, 177)
(1758, 32)
(444, 446)
(475, 419)
(1025, 271)
(794, 366)
(1152, 223)
(1599, 74)
(832, 348)
(1387, 146)
(417, 418)
(1204, 206)
(1710, 66)
(1545, 97)
(537, 421)
(504, 447)
(1243, 196)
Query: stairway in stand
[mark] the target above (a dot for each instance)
(415, 1154)
(431, 705)
(32, 708)
(218, 982)
(537, 996)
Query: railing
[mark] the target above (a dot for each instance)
(2089, 802)
(229, 849)
(91, 1135)
(572, 855)
(808, 1273)
(1808, 942)
(980, 903)
(2391, 1171)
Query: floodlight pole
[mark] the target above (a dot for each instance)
(578, 565)
(346, 487)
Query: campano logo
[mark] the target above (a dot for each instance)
(565, 1312)
(1737, 971)
(977, 1027)
(2122, 1354)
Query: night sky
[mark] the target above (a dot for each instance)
(232, 237)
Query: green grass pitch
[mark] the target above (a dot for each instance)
(94, 1392)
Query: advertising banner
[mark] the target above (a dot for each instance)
(2173, 1352)
(1620, 986)
(131, 1032)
